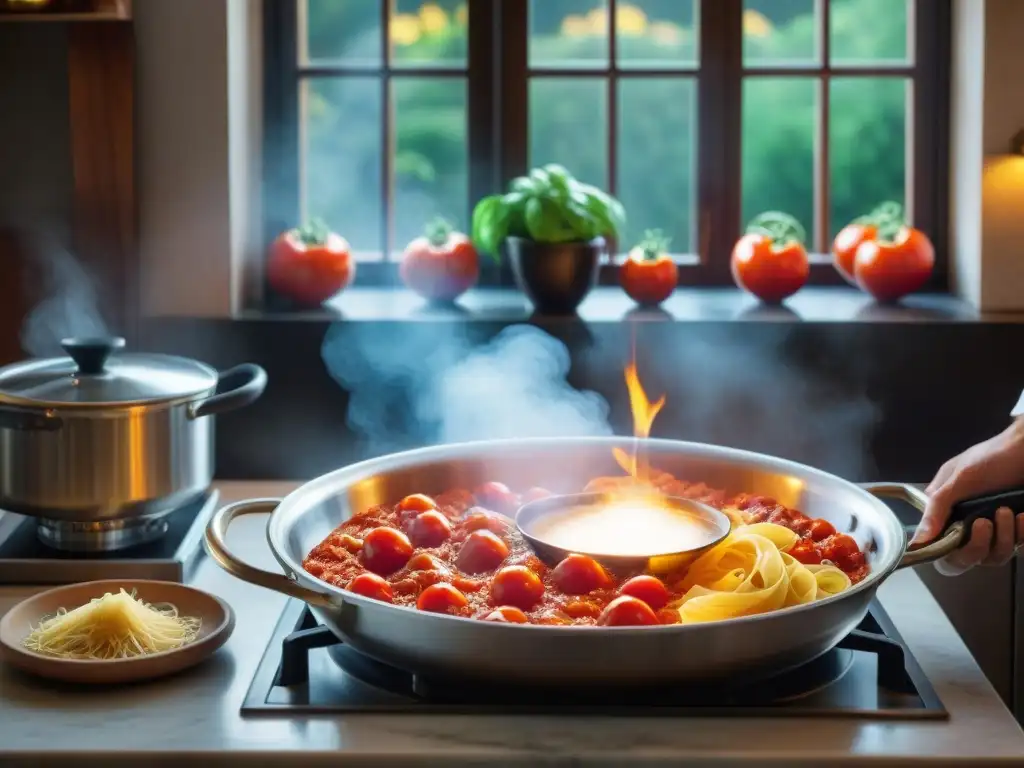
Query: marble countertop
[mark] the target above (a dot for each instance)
(195, 716)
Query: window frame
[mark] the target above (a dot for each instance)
(498, 123)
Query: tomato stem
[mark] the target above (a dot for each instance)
(888, 220)
(438, 231)
(653, 244)
(781, 228)
(314, 232)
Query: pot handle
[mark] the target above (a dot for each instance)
(29, 420)
(216, 545)
(961, 517)
(241, 386)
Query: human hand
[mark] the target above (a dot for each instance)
(994, 465)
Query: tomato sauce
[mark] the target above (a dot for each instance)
(480, 567)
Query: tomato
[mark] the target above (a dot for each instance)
(516, 585)
(891, 270)
(371, 585)
(821, 529)
(507, 614)
(385, 550)
(649, 275)
(309, 265)
(441, 598)
(480, 519)
(844, 247)
(424, 561)
(579, 574)
(417, 502)
(429, 529)
(627, 611)
(483, 551)
(647, 588)
(536, 494)
(769, 272)
(805, 552)
(497, 497)
(839, 547)
(440, 266)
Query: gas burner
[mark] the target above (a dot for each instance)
(870, 674)
(37, 551)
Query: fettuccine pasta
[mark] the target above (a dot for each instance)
(750, 572)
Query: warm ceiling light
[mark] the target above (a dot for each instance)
(1017, 143)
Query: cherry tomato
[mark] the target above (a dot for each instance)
(844, 247)
(579, 574)
(482, 552)
(839, 547)
(627, 611)
(536, 494)
(385, 550)
(508, 614)
(821, 529)
(429, 529)
(771, 273)
(649, 275)
(417, 502)
(891, 270)
(497, 497)
(480, 519)
(647, 588)
(805, 552)
(309, 265)
(424, 561)
(516, 585)
(441, 598)
(371, 585)
(440, 266)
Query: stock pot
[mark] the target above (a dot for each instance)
(102, 436)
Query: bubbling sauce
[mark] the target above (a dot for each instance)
(626, 529)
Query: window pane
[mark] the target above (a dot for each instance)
(656, 33)
(781, 33)
(569, 125)
(656, 185)
(343, 145)
(568, 33)
(867, 145)
(341, 30)
(434, 32)
(431, 154)
(870, 32)
(779, 120)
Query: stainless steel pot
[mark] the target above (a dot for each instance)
(100, 438)
(437, 644)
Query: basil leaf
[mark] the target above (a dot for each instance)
(490, 224)
(544, 221)
(542, 179)
(560, 180)
(515, 204)
(603, 207)
(526, 185)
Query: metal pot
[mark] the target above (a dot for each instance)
(96, 440)
(436, 644)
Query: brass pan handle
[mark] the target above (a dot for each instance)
(918, 554)
(216, 545)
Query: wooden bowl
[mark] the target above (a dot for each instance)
(218, 621)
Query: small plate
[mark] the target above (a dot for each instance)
(218, 621)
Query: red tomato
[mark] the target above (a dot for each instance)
(535, 494)
(440, 266)
(890, 271)
(649, 275)
(579, 574)
(821, 529)
(627, 611)
(497, 497)
(805, 552)
(769, 272)
(482, 552)
(385, 550)
(516, 585)
(371, 585)
(507, 614)
(441, 598)
(844, 247)
(480, 519)
(310, 265)
(429, 529)
(839, 547)
(647, 588)
(417, 502)
(424, 561)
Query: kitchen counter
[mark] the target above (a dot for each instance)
(195, 716)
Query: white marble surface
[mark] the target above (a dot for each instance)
(195, 716)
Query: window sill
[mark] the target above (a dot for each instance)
(611, 305)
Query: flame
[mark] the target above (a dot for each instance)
(644, 412)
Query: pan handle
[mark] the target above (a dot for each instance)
(961, 517)
(216, 544)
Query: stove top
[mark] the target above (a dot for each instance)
(870, 674)
(25, 559)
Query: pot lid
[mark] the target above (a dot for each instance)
(93, 374)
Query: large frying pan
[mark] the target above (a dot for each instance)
(436, 644)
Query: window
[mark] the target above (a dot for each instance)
(697, 114)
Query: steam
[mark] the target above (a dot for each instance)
(71, 306)
(511, 386)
